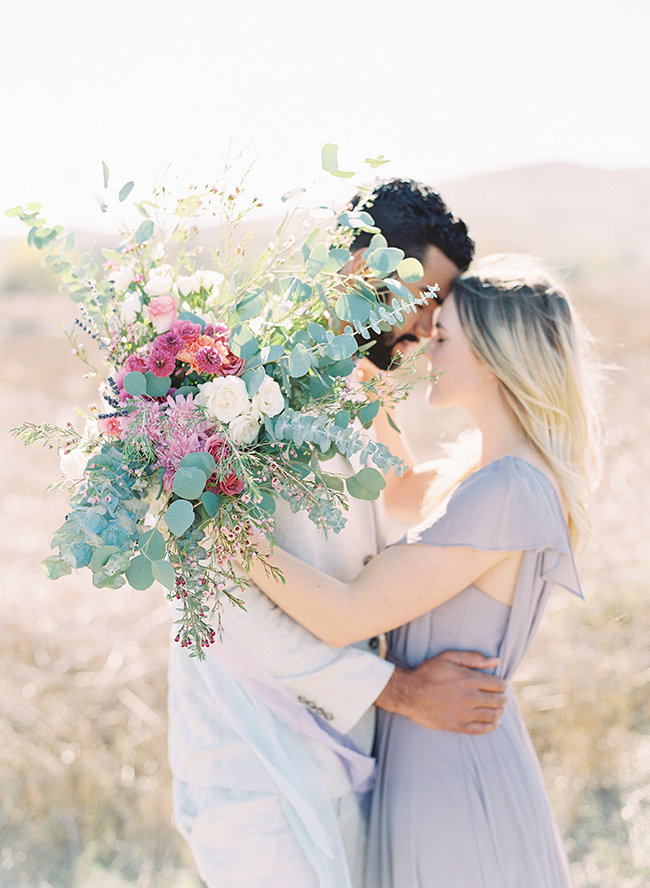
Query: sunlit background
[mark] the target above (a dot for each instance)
(531, 119)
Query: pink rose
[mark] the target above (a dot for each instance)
(231, 485)
(136, 363)
(231, 364)
(111, 426)
(162, 312)
(187, 329)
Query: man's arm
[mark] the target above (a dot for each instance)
(448, 693)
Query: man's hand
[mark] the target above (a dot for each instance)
(448, 693)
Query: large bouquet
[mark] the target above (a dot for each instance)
(223, 388)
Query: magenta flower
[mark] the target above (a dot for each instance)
(169, 343)
(162, 364)
(186, 329)
(208, 360)
(231, 485)
(232, 364)
(136, 363)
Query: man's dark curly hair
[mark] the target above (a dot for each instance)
(412, 216)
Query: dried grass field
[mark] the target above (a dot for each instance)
(84, 781)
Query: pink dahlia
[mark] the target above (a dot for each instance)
(208, 360)
(168, 343)
(162, 364)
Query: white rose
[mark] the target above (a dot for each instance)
(187, 284)
(209, 279)
(160, 282)
(121, 277)
(73, 463)
(244, 429)
(129, 307)
(268, 400)
(224, 398)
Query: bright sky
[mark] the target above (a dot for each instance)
(445, 90)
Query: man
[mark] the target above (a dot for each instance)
(264, 793)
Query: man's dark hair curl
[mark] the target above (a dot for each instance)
(412, 216)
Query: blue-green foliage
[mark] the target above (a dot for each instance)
(103, 521)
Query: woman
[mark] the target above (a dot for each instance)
(452, 810)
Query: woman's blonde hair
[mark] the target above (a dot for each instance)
(521, 323)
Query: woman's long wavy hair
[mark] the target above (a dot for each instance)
(521, 323)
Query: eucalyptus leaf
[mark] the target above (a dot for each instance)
(298, 291)
(211, 502)
(144, 232)
(333, 482)
(179, 516)
(271, 353)
(384, 260)
(357, 219)
(105, 174)
(341, 347)
(152, 544)
(200, 460)
(135, 383)
(318, 334)
(342, 419)
(317, 260)
(253, 379)
(410, 270)
(292, 194)
(139, 573)
(249, 305)
(189, 483)
(243, 342)
(164, 573)
(55, 567)
(336, 259)
(100, 557)
(369, 412)
(299, 361)
(125, 190)
(157, 386)
(341, 369)
(352, 306)
(367, 484)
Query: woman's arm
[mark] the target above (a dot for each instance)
(401, 583)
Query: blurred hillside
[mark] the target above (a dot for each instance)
(592, 225)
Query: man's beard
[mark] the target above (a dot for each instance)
(381, 353)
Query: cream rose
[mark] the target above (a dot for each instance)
(129, 307)
(203, 278)
(224, 398)
(73, 463)
(160, 282)
(162, 311)
(268, 400)
(244, 429)
(121, 277)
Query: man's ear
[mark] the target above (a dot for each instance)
(356, 262)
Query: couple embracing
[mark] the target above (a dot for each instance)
(270, 735)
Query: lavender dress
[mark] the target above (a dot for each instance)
(456, 810)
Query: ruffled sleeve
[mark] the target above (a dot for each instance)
(510, 506)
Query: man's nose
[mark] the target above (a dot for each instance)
(424, 322)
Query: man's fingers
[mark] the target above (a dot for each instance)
(490, 701)
(470, 659)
